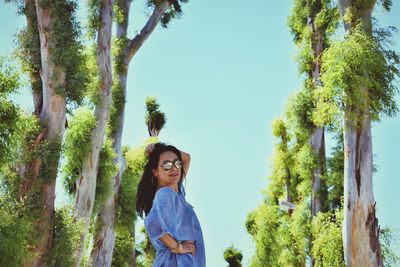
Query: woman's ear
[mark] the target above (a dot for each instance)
(155, 173)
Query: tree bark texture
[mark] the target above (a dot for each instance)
(86, 184)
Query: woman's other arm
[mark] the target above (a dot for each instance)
(171, 243)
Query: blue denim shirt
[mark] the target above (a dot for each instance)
(171, 214)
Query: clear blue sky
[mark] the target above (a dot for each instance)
(221, 74)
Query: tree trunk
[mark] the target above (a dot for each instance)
(86, 184)
(317, 138)
(30, 170)
(53, 117)
(105, 236)
(360, 227)
(318, 145)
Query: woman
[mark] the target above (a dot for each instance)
(170, 221)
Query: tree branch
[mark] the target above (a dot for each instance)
(134, 44)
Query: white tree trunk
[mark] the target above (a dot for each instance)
(86, 184)
(317, 139)
(104, 239)
(318, 145)
(105, 236)
(53, 117)
(360, 226)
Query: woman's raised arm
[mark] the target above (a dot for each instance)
(185, 161)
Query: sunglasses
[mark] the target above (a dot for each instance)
(168, 165)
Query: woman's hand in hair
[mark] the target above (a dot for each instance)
(188, 246)
(149, 149)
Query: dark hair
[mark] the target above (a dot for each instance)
(146, 189)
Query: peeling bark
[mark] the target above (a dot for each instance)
(360, 227)
(52, 115)
(86, 184)
(105, 237)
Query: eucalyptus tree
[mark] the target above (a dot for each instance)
(312, 22)
(358, 75)
(51, 53)
(101, 14)
(125, 49)
(299, 163)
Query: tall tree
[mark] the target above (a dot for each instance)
(358, 74)
(126, 49)
(86, 183)
(312, 22)
(49, 48)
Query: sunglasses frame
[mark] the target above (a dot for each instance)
(174, 163)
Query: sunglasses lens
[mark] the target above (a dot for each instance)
(178, 164)
(167, 166)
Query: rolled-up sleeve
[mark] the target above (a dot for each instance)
(164, 220)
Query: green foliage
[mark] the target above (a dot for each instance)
(305, 163)
(28, 50)
(233, 256)
(17, 130)
(146, 253)
(155, 119)
(94, 17)
(300, 228)
(106, 172)
(281, 240)
(117, 107)
(326, 111)
(66, 237)
(124, 245)
(357, 75)
(119, 45)
(77, 145)
(9, 117)
(335, 174)
(327, 247)
(386, 4)
(15, 232)
(282, 162)
(174, 10)
(126, 213)
(68, 49)
(118, 14)
(300, 109)
(389, 237)
(9, 78)
(50, 150)
(93, 84)
(9, 113)
(261, 224)
(308, 19)
(279, 129)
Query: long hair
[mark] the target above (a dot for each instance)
(146, 189)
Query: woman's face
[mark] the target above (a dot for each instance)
(168, 177)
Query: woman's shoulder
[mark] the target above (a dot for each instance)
(165, 192)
